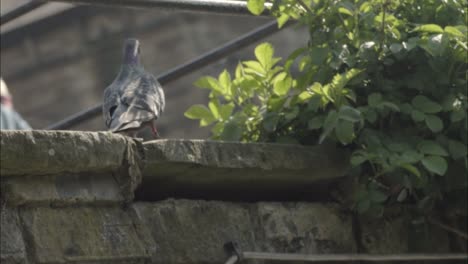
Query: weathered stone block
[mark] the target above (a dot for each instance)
(50, 152)
(195, 231)
(85, 235)
(11, 241)
(63, 189)
(69, 167)
(213, 169)
(396, 232)
(384, 236)
(309, 228)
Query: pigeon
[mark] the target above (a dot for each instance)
(135, 98)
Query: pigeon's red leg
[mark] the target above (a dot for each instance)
(154, 130)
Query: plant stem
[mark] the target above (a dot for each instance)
(383, 36)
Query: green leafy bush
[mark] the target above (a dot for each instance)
(385, 78)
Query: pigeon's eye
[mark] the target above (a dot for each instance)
(112, 110)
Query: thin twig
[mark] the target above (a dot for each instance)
(448, 228)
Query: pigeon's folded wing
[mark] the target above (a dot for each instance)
(111, 101)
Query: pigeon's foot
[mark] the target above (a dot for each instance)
(154, 131)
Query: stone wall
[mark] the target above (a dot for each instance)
(69, 197)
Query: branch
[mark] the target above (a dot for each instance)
(448, 228)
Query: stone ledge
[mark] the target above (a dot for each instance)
(202, 169)
(66, 167)
(71, 166)
(51, 152)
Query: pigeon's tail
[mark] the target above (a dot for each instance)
(129, 118)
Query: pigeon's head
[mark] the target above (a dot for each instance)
(131, 51)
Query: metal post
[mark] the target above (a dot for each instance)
(215, 6)
(20, 10)
(184, 69)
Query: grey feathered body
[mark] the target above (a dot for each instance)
(133, 99)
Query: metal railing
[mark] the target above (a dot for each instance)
(20, 10)
(234, 7)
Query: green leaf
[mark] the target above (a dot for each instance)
(370, 115)
(358, 157)
(282, 85)
(434, 45)
(374, 99)
(454, 32)
(304, 96)
(457, 149)
(435, 164)
(254, 67)
(197, 112)
(457, 115)
(329, 124)
(290, 60)
(431, 148)
(391, 105)
(275, 104)
(239, 71)
(350, 114)
(426, 105)
(434, 123)
(344, 131)
(208, 82)
(226, 111)
(411, 169)
(232, 131)
(264, 54)
(316, 122)
(270, 121)
(429, 28)
(214, 107)
(406, 108)
(318, 55)
(411, 156)
(417, 115)
(314, 103)
(225, 80)
(289, 115)
(200, 112)
(256, 7)
(396, 47)
(377, 196)
(345, 11)
(217, 129)
(282, 20)
(448, 102)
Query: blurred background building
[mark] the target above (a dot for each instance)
(58, 59)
